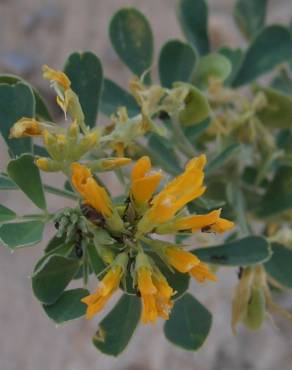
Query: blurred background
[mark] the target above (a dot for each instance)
(34, 32)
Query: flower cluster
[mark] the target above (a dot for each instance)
(133, 225)
(64, 145)
(124, 234)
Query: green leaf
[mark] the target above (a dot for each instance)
(196, 108)
(226, 155)
(54, 243)
(237, 201)
(6, 183)
(250, 16)
(113, 97)
(68, 306)
(212, 67)
(26, 175)
(85, 73)
(64, 249)
(283, 82)
(16, 101)
(193, 18)
(258, 58)
(41, 110)
(40, 151)
(278, 111)
(6, 214)
(177, 62)
(163, 154)
(194, 132)
(21, 234)
(132, 39)
(278, 197)
(242, 252)
(235, 58)
(279, 266)
(117, 328)
(189, 324)
(96, 262)
(49, 281)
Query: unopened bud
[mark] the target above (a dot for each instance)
(105, 253)
(256, 309)
(114, 222)
(86, 144)
(102, 237)
(48, 165)
(121, 260)
(241, 297)
(142, 261)
(50, 142)
(72, 133)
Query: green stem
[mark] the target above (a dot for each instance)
(120, 176)
(63, 193)
(85, 268)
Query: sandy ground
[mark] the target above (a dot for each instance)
(33, 32)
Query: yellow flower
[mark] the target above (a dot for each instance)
(186, 262)
(210, 221)
(144, 181)
(202, 273)
(181, 260)
(93, 194)
(197, 222)
(109, 284)
(176, 194)
(26, 127)
(148, 291)
(56, 76)
(197, 163)
(221, 225)
(155, 294)
(163, 296)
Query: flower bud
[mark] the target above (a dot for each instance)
(142, 261)
(86, 144)
(121, 260)
(114, 222)
(105, 253)
(48, 165)
(72, 133)
(256, 309)
(102, 237)
(51, 144)
(241, 297)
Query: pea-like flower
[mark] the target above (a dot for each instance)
(109, 284)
